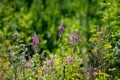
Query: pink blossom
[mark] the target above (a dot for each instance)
(35, 40)
(74, 37)
(27, 64)
(95, 69)
(61, 28)
(85, 70)
(50, 61)
(69, 60)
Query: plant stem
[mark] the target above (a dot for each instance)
(63, 71)
(15, 72)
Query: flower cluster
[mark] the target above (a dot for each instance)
(69, 59)
(95, 69)
(35, 40)
(49, 62)
(74, 37)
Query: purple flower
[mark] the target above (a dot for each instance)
(61, 28)
(95, 69)
(27, 64)
(85, 70)
(49, 62)
(69, 60)
(35, 40)
(74, 37)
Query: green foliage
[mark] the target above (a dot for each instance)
(96, 22)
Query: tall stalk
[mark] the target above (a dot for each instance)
(85, 26)
(63, 65)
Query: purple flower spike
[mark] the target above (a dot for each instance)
(61, 28)
(74, 37)
(69, 60)
(50, 61)
(35, 40)
(95, 69)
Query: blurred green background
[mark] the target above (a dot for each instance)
(44, 16)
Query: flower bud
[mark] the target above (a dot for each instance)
(95, 69)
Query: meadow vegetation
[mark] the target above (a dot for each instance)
(59, 39)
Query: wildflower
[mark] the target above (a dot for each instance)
(12, 54)
(61, 28)
(74, 37)
(69, 60)
(35, 40)
(85, 70)
(49, 62)
(105, 63)
(95, 69)
(27, 64)
(47, 68)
